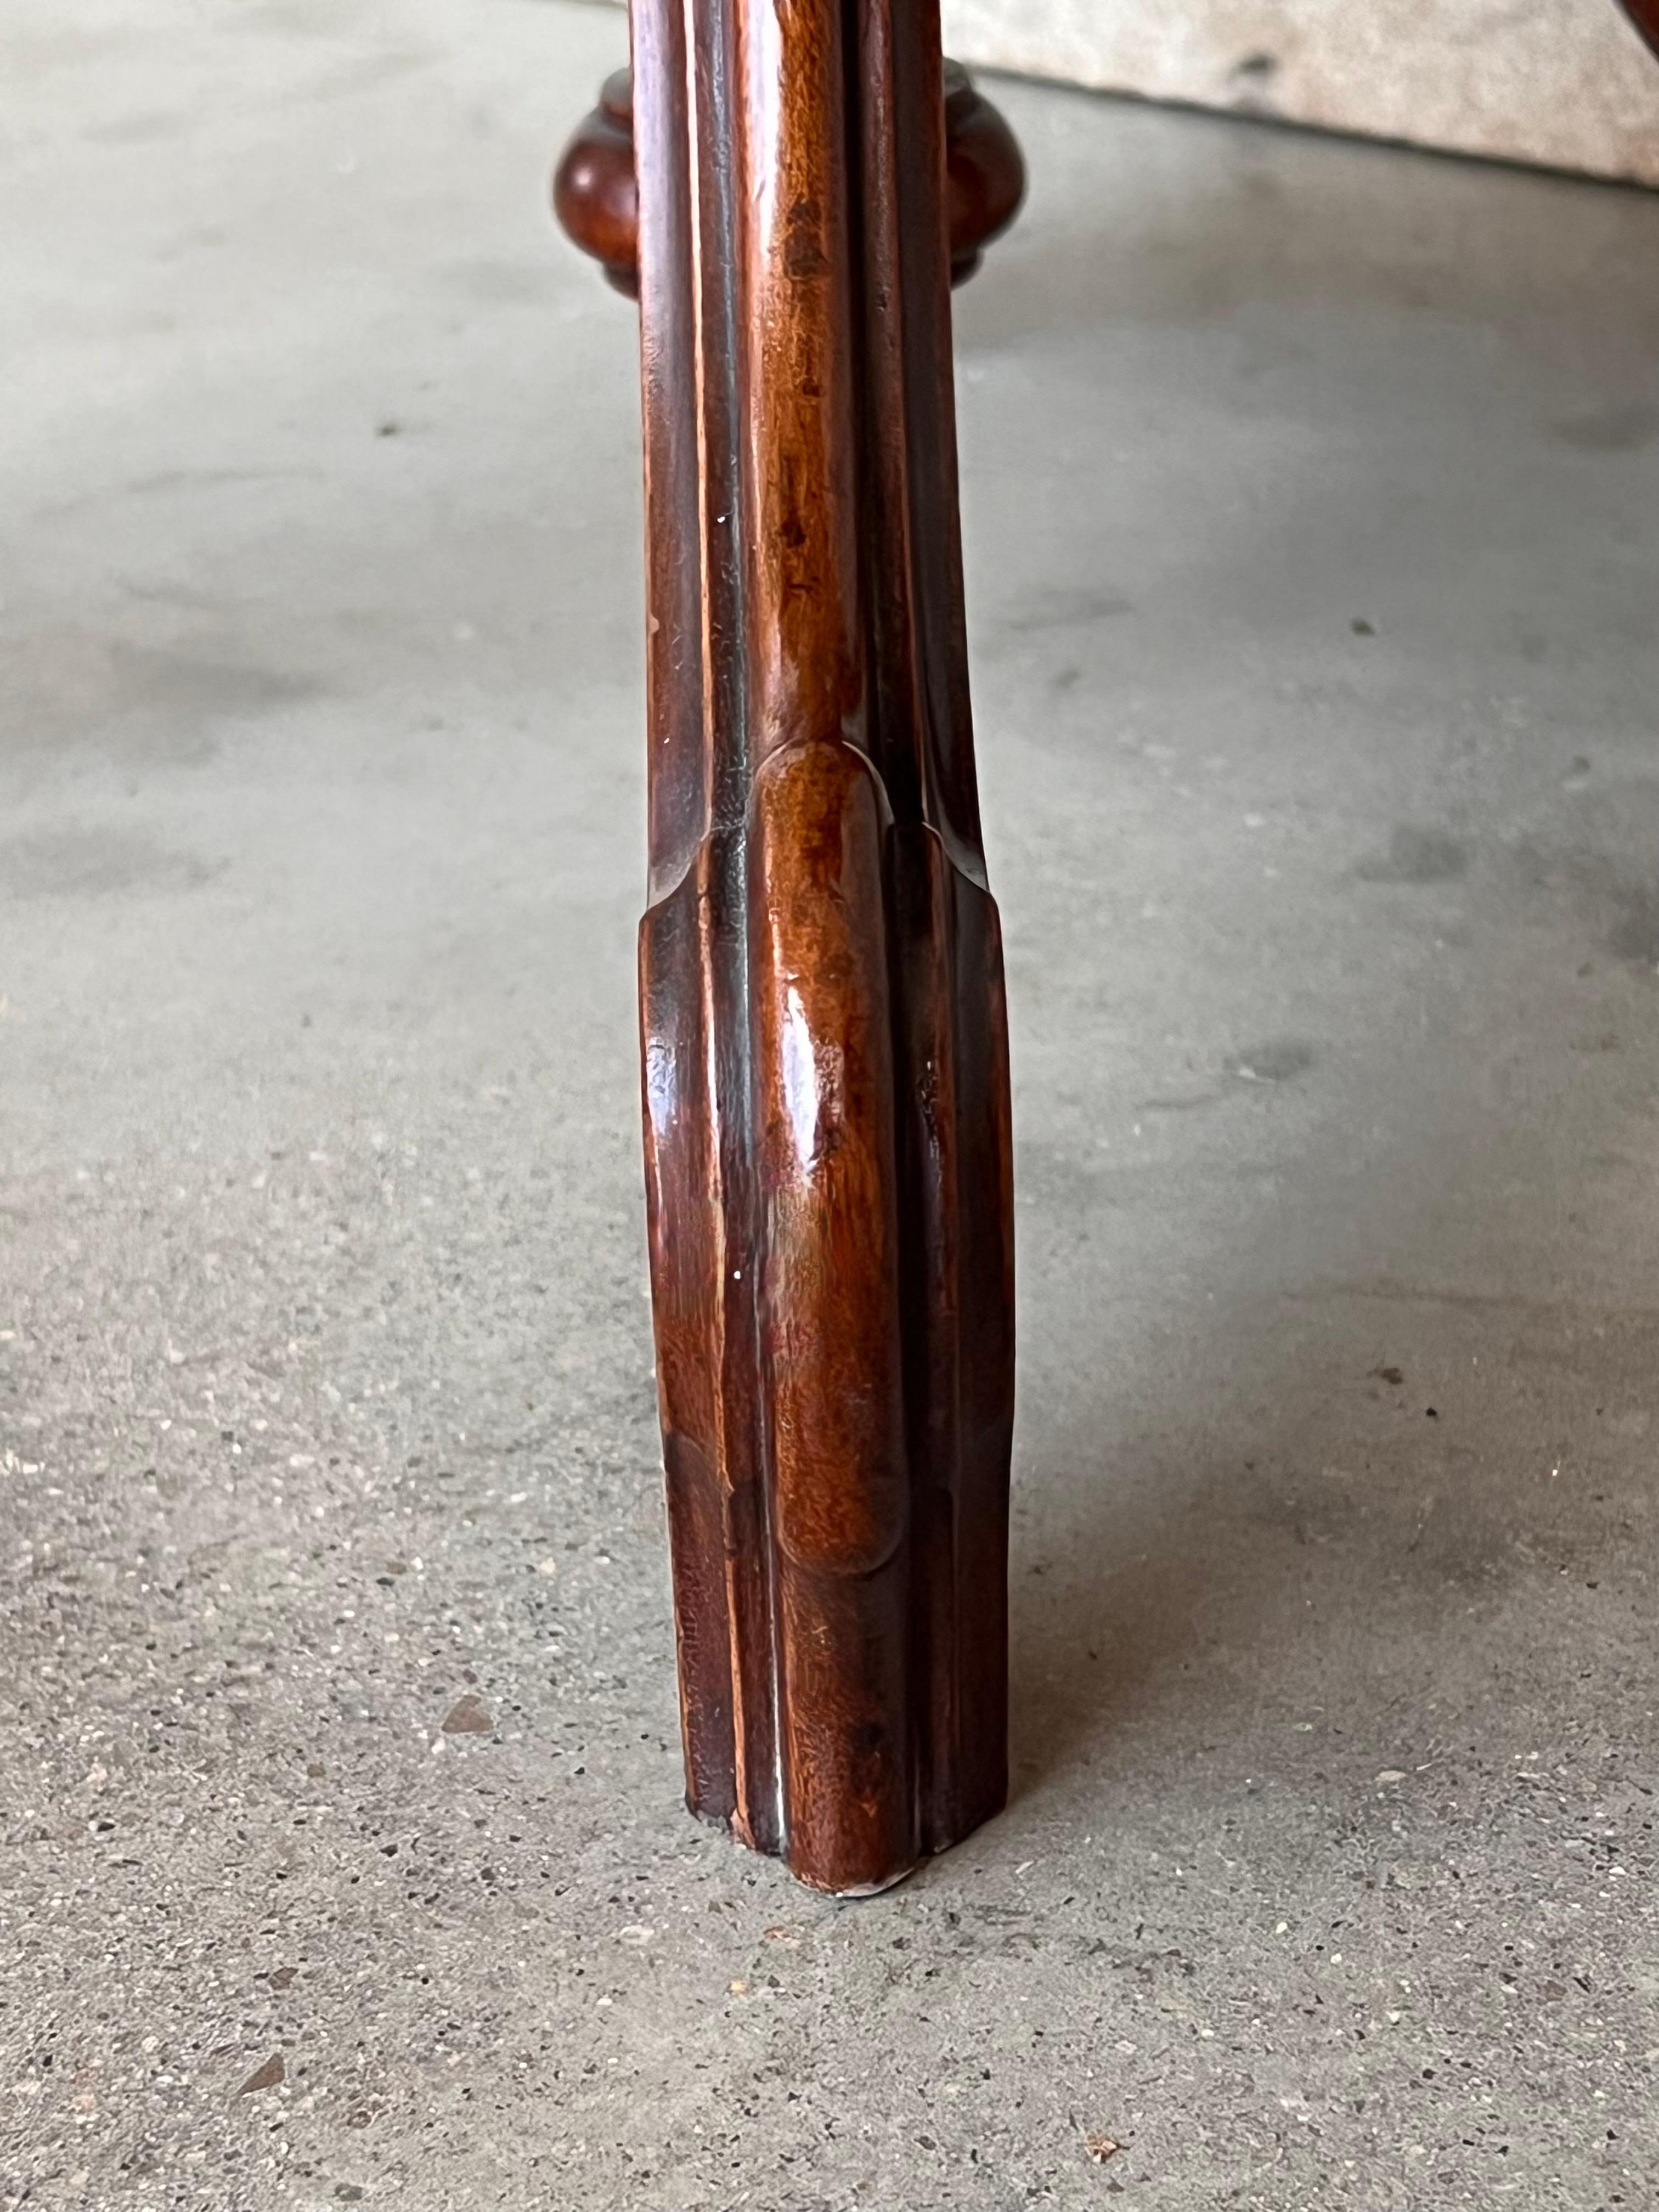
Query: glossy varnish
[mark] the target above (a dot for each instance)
(826, 1080)
(596, 190)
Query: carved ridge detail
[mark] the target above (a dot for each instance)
(824, 1040)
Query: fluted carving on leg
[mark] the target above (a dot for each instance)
(825, 1062)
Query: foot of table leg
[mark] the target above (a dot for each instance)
(826, 1082)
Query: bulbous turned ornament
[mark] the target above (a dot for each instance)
(596, 195)
(984, 171)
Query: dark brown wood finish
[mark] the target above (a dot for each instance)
(826, 1078)
(596, 192)
(985, 171)
(1644, 14)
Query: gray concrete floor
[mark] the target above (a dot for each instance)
(1312, 502)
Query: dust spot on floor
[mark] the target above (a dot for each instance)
(1417, 855)
(1074, 609)
(71, 685)
(1634, 935)
(368, 72)
(498, 284)
(1277, 1059)
(93, 863)
(1610, 429)
(142, 129)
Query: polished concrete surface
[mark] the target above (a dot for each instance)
(1312, 508)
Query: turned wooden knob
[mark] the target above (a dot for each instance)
(984, 169)
(596, 194)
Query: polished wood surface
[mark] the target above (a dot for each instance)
(985, 171)
(825, 1055)
(1644, 14)
(596, 192)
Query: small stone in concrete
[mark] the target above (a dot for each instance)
(270, 2076)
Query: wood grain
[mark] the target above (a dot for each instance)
(596, 192)
(824, 1041)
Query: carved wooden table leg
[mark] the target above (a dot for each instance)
(826, 1080)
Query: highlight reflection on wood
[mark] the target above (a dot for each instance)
(826, 1078)
(596, 192)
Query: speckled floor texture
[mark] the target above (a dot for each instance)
(1312, 510)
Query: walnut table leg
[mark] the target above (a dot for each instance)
(826, 1080)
